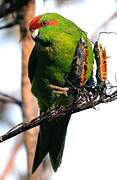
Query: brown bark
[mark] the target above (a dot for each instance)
(30, 108)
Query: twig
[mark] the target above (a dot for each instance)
(79, 105)
(104, 24)
(10, 163)
(7, 98)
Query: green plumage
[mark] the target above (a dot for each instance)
(49, 63)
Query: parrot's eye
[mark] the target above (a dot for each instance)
(44, 23)
(35, 33)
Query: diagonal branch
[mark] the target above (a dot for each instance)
(79, 105)
(10, 163)
(104, 24)
(5, 98)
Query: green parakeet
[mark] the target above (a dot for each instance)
(56, 39)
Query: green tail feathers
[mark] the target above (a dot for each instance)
(51, 140)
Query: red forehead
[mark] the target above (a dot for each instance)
(34, 24)
(52, 23)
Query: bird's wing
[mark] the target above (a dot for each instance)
(32, 63)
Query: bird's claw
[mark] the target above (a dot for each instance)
(59, 90)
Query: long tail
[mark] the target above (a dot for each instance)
(51, 139)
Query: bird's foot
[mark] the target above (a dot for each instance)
(59, 90)
(88, 96)
(101, 89)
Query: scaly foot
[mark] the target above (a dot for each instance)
(59, 90)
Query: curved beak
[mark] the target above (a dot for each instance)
(34, 24)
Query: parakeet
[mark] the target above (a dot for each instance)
(56, 39)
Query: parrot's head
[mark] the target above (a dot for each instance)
(48, 19)
(45, 26)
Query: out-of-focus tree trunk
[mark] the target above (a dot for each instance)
(30, 108)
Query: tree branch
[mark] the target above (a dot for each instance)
(104, 24)
(11, 160)
(5, 98)
(82, 103)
